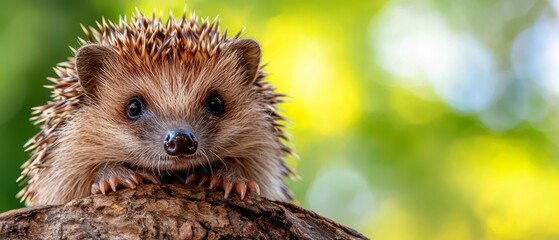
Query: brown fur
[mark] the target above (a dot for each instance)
(173, 67)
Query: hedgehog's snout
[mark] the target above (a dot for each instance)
(180, 141)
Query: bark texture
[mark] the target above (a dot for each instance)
(171, 211)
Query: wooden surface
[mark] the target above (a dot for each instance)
(173, 211)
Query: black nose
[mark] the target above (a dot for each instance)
(180, 141)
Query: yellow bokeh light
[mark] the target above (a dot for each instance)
(393, 222)
(309, 64)
(513, 196)
(455, 229)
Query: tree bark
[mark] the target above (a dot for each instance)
(172, 211)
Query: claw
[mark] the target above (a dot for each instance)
(227, 187)
(129, 183)
(191, 178)
(203, 180)
(103, 186)
(214, 182)
(115, 177)
(133, 179)
(95, 188)
(241, 188)
(137, 178)
(253, 186)
(113, 182)
(150, 178)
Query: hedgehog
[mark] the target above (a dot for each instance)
(150, 102)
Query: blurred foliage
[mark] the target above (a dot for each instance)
(427, 119)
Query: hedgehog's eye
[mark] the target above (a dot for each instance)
(135, 108)
(214, 104)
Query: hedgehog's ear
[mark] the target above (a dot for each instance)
(248, 52)
(91, 61)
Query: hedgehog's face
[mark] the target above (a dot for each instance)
(172, 116)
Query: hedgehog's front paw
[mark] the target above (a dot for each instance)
(112, 178)
(225, 181)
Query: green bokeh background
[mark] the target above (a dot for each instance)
(388, 143)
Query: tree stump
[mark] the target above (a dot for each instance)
(171, 211)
